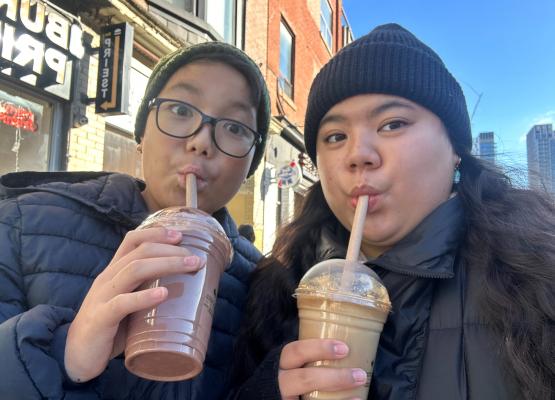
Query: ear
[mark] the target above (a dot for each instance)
(140, 148)
(455, 160)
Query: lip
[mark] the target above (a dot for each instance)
(374, 195)
(195, 170)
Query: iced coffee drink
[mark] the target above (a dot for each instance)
(169, 342)
(354, 314)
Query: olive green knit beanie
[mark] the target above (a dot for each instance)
(170, 63)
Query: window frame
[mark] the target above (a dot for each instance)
(329, 29)
(289, 90)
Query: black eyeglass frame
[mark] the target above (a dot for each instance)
(155, 102)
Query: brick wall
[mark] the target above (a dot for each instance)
(310, 51)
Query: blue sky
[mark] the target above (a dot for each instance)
(504, 49)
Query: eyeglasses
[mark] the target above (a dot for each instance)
(182, 120)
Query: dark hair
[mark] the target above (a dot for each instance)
(247, 231)
(510, 235)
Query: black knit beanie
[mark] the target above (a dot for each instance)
(217, 52)
(389, 60)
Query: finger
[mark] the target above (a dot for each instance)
(144, 270)
(297, 354)
(122, 305)
(144, 250)
(135, 238)
(295, 382)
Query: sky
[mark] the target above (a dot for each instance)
(501, 49)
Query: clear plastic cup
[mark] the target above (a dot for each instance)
(354, 314)
(168, 342)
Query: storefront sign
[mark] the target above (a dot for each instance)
(17, 116)
(38, 42)
(289, 175)
(114, 59)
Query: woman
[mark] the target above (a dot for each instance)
(70, 259)
(466, 257)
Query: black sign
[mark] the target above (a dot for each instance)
(114, 59)
(38, 42)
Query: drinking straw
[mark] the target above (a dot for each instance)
(191, 188)
(353, 249)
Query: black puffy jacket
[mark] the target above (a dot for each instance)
(58, 231)
(435, 345)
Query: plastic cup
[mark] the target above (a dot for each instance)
(354, 314)
(168, 342)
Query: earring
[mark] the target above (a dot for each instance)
(140, 148)
(457, 177)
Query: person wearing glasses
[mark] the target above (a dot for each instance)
(71, 259)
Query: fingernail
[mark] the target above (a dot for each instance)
(173, 234)
(340, 349)
(190, 261)
(159, 293)
(359, 375)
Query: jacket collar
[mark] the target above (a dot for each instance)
(429, 251)
(117, 196)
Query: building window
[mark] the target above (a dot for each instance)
(326, 22)
(120, 152)
(187, 5)
(224, 16)
(25, 131)
(347, 33)
(286, 54)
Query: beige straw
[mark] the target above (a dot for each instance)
(353, 250)
(191, 188)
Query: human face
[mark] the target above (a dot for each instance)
(219, 91)
(391, 149)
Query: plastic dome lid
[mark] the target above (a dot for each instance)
(324, 280)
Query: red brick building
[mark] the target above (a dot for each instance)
(291, 41)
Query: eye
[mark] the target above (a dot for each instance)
(393, 126)
(182, 110)
(335, 137)
(236, 129)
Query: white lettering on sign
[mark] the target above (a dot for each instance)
(57, 30)
(11, 8)
(56, 60)
(42, 38)
(30, 51)
(7, 35)
(36, 25)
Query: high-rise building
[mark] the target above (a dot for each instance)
(486, 146)
(540, 145)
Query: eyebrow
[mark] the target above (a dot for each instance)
(232, 105)
(375, 112)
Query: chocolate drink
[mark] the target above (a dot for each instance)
(354, 315)
(168, 342)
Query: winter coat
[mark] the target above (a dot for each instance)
(434, 344)
(58, 231)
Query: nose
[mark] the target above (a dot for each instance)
(201, 142)
(363, 150)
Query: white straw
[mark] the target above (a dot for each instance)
(353, 250)
(191, 191)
